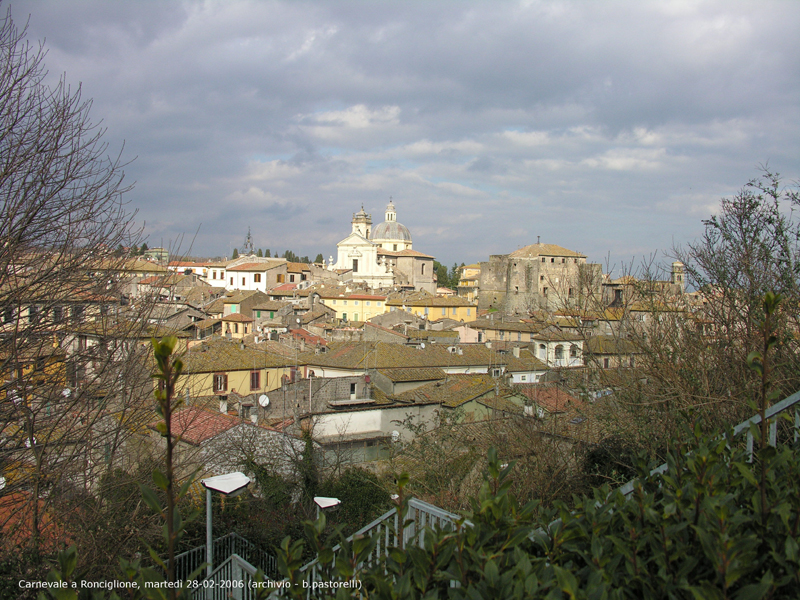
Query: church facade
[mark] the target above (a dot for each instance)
(383, 257)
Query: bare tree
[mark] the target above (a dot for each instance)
(70, 355)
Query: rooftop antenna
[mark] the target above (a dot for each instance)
(538, 237)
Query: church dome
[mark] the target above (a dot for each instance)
(390, 230)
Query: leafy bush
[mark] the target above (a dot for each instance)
(699, 531)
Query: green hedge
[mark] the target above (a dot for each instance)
(697, 532)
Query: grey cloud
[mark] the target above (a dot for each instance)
(586, 123)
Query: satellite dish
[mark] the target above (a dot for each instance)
(395, 436)
(66, 392)
(263, 401)
(422, 345)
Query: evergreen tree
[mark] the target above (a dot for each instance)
(319, 258)
(235, 253)
(259, 254)
(267, 253)
(143, 249)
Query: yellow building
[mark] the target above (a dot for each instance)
(434, 308)
(356, 307)
(468, 279)
(221, 367)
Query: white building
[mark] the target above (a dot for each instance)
(373, 254)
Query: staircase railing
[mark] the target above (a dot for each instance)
(232, 579)
(224, 547)
(387, 529)
(773, 414)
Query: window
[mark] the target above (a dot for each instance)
(355, 316)
(519, 336)
(542, 351)
(368, 303)
(544, 291)
(523, 378)
(502, 335)
(394, 247)
(8, 314)
(213, 274)
(231, 280)
(444, 312)
(220, 382)
(334, 302)
(563, 260)
(426, 310)
(355, 265)
(344, 302)
(570, 293)
(255, 380)
(344, 316)
(257, 277)
(271, 314)
(422, 269)
(559, 352)
(606, 363)
(258, 314)
(455, 311)
(58, 314)
(541, 277)
(355, 302)
(235, 328)
(281, 278)
(242, 281)
(352, 391)
(543, 259)
(291, 277)
(469, 312)
(552, 260)
(573, 351)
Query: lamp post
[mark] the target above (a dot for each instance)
(324, 502)
(230, 484)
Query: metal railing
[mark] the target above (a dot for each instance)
(224, 547)
(387, 529)
(773, 414)
(232, 579)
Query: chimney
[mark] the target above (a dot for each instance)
(515, 351)
(223, 406)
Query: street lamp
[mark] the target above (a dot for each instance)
(230, 484)
(324, 502)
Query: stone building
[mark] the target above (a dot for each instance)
(537, 277)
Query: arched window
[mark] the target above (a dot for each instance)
(542, 351)
(559, 354)
(573, 351)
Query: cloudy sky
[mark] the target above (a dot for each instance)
(610, 128)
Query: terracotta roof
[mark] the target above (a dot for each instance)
(273, 305)
(413, 253)
(429, 300)
(535, 250)
(238, 296)
(196, 425)
(223, 355)
(609, 344)
(256, 266)
(284, 287)
(382, 355)
(453, 392)
(237, 318)
(296, 267)
(550, 398)
(418, 374)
